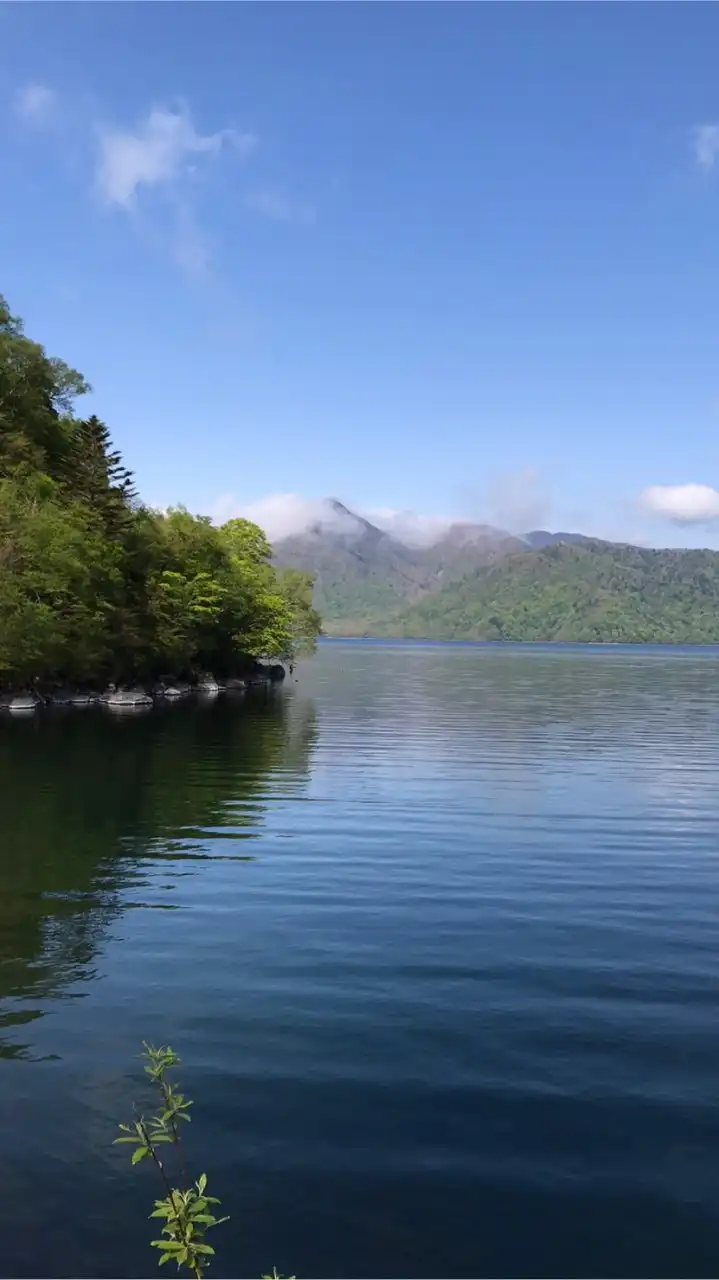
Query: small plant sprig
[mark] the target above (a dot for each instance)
(186, 1210)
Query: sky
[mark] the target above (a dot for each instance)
(438, 261)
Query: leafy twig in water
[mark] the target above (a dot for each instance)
(186, 1210)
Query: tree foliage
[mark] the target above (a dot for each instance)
(94, 585)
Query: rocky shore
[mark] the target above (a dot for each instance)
(121, 697)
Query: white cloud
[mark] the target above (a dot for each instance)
(409, 527)
(36, 105)
(682, 503)
(279, 207)
(706, 145)
(157, 153)
(284, 514)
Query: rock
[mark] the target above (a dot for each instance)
(276, 672)
(178, 690)
(234, 684)
(24, 704)
(207, 684)
(115, 698)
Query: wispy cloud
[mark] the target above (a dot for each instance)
(705, 141)
(159, 152)
(279, 207)
(151, 170)
(36, 105)
(284, 514)
(410, 527)
(514, 500)
(682, 503)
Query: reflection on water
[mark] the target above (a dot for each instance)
(90, 807)
(435, 933)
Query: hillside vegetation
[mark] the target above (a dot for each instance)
(94, 585)
(592, 591)
(363, 575)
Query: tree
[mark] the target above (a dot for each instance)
(36, 398)
(92, 584)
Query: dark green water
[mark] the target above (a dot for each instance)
(436, 932)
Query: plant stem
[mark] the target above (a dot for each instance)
(156, 1158)
(175, 1134)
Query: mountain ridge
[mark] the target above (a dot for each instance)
(365, 575)
(584, 592)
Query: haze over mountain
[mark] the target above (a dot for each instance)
(467, 581)
(364, 574)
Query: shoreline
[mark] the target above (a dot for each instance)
(44, 696)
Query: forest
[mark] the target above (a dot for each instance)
(598, 592)
(94, 585)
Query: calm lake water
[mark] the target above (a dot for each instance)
(436, 933)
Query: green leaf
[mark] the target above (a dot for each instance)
(203, 1248)
(202, 1182)
(140, 1154)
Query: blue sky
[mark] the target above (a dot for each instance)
(456, 260)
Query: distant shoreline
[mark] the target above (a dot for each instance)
(429, 641)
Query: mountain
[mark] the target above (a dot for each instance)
(364, 575)
(360, 571)
(479, 583)
(541, 538)
(582, 591)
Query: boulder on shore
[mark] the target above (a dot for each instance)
(24, 703)
(207, 684)
(126, 698)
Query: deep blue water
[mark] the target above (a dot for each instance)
(435, 931)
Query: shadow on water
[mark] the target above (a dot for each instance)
(91, 806)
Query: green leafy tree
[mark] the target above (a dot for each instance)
(36, 395)
(297, 589)
(95, 586)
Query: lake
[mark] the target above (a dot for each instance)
(435, 930)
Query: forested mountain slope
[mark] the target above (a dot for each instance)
(588, 591)
(363, 575)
